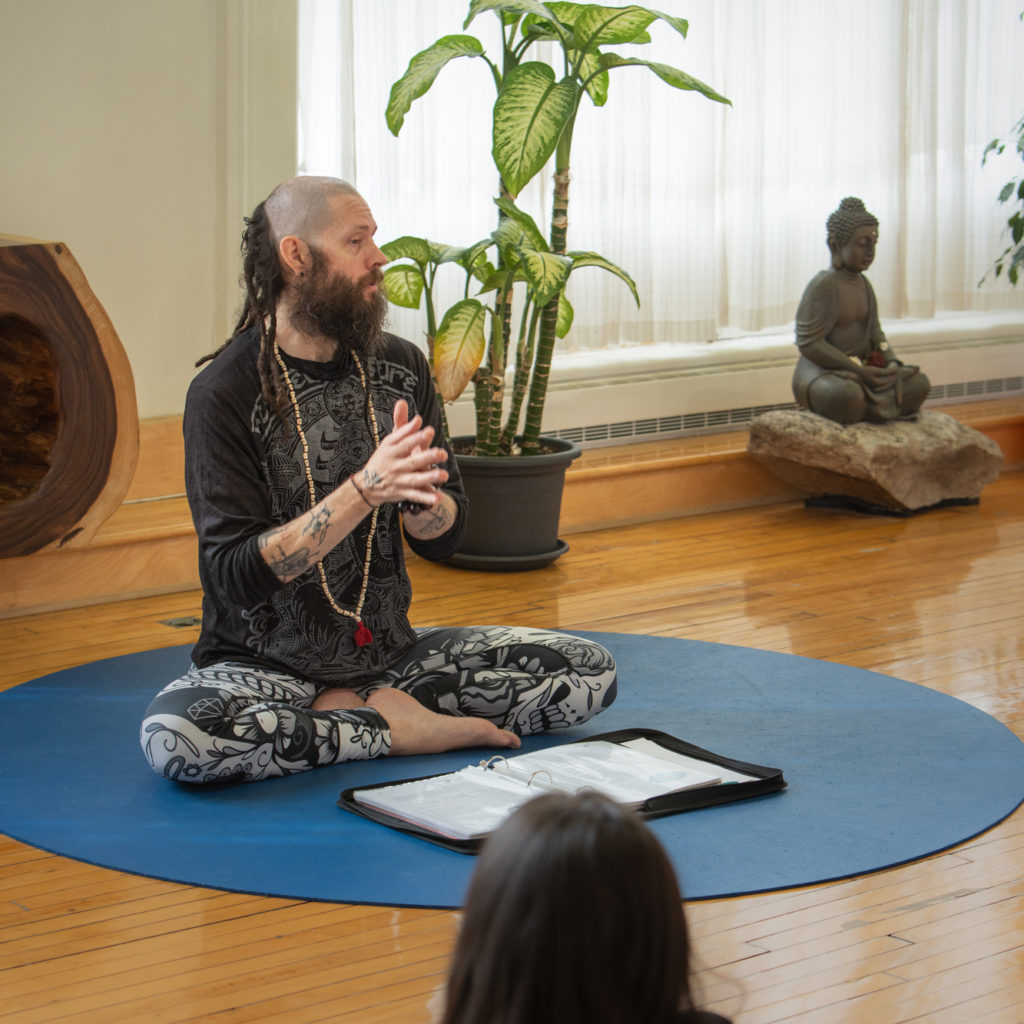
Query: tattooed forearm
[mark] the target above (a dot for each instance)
(371, 478)
(317, 525)
(287, 566)
(431, 522)
(284, 565)
(264, 540)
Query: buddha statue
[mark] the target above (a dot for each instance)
(846, 370)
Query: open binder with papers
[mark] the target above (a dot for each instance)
(648, 770)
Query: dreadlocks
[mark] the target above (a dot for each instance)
(263, 280)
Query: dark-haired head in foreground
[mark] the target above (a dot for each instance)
(573, 915)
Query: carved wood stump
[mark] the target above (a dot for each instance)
(69, 427)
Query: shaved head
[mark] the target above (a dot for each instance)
(301, 206)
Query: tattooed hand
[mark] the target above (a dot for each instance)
(405, 467)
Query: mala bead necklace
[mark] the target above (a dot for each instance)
(363, 636)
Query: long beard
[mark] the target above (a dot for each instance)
(335, 308)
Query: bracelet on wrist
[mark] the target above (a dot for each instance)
(359, 491)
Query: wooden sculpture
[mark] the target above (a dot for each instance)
(69, 428)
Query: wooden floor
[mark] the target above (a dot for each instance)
(935, 599)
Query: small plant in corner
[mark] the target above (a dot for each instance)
(1012, 257)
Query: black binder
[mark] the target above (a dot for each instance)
(764, 780)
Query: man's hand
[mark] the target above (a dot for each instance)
(405, 467)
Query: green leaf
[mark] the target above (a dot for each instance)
(509, 236)
(993, 147)
(534, 236)
(403, 285)
(422, 70)
(673, 76)
(530, 113)
(459, 347)
(593, 74)
(1007, 191)
(421, 251)
(499, 280)
(681, 25)
(474, 259)
(546, 273)
(472, 254)
(609, 26)
(514, 7)
(408, 247)
(612, 25)
(539, 30)
(483, 271)
(565, 13)
(565, 317)
(441, 253)
(593, 259)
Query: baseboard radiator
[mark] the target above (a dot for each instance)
(690, 423)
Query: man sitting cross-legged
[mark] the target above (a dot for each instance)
(313, 445)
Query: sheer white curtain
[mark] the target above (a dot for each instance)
(717, 212)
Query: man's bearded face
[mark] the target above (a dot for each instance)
(335, 307)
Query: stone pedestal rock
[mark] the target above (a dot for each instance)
(902, 465)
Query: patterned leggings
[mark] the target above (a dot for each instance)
(246, 723)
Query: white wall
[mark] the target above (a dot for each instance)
(139, 132)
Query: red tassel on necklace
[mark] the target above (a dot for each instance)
(363, 635)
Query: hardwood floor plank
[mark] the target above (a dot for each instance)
(986, 1010)
(960, 986)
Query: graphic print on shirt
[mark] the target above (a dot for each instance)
(297, 626)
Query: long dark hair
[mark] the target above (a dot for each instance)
(264, 282)
(573, 915)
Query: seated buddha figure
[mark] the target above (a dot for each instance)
(846, 370)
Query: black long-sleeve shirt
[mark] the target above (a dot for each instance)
(244, 474)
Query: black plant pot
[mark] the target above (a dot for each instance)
(514, 505)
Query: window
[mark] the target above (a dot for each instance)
(717, 212)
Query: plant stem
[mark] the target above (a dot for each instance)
(549, 315)
(524, 361)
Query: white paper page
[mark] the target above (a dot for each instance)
(656, 750)
(626, 775)
(463, 805)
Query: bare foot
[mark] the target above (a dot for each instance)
(338, 700)
(418, 730)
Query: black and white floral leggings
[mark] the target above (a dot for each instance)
(233, 721)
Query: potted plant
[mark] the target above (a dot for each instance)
(502, 336)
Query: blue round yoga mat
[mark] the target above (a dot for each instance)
(880, 771)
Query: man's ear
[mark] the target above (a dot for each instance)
(295, 255)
